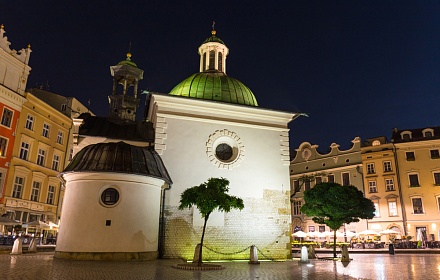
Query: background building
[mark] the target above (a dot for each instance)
(382, 185)
(14, 72)
(310, 167)
(418, 157)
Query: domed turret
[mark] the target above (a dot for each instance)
(212, 83)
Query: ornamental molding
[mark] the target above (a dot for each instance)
(230, 138)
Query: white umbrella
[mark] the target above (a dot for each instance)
(36, 224)
(300, 234)
(389, 231)
(350, 234)
(8, 222)
(368, 232)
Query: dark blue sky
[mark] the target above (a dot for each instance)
(358, 68)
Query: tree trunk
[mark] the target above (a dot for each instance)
(334, 244)
(201, 241)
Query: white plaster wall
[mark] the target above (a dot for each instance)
(134, 220)
(188, 163)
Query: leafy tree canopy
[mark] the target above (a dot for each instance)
(333, 205)
(209, 196)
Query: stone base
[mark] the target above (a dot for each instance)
(107, 256)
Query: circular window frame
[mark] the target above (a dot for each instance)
(229, 138)
(101, 192)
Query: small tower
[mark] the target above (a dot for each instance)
(213, 54)
(123, 105)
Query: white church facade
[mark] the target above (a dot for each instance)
(209, 125)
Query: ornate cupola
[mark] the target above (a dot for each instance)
(213, 54)
(124, 101)
(211, 82)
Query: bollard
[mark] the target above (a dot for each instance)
(197, 253)
(391, 249)
(304, 255)
(254, 255)
(17, 249)
(32, 246)
(344, 252)
(311, 252)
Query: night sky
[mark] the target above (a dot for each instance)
(357, 68)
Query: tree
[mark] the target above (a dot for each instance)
(208, 197)
(334, 205)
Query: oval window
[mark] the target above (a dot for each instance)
(223, 152)
(110, 196)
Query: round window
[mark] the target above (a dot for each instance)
(110, 196)
(223, 152)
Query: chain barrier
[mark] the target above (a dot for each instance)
(234, 253)
(259, 251)
(238, 252)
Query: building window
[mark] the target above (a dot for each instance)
(387, 166)
(436, 178)
(211, 60)
(370, 168)
(428, 134)
(307, 185)
(60, 137)
(7, 117)
(435, 154)
(389, 184)
(18, 187)
(55, 162)
(414, 180)
(50, 194)
(406, 136)
(46, 130)
(376, 143)
(372, 186)
(110, 196)
(3, 147)
(24, 150)
(63, 107)
(296, 187)
(346, 179)
(417, 205)
(331, 178)
(35, 190)
(392, 208)
(297, 207)
(438, 203)
(41, 157)
(410, 156)
(30, 122)
(318, 180)
(220, 62)
(376, 209)
(2, 176)
(321, 228)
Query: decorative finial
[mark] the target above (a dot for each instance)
(129, 56)
(2, 26)
(213, 32)
(29, 46)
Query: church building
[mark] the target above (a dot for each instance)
(124, 184)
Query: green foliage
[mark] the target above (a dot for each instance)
(207, 197)
(333, 205)
(210, 196)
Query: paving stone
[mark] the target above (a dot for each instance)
(363, 266)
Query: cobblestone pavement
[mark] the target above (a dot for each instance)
(44, 266)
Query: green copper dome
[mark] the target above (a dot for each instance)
(216, 86)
